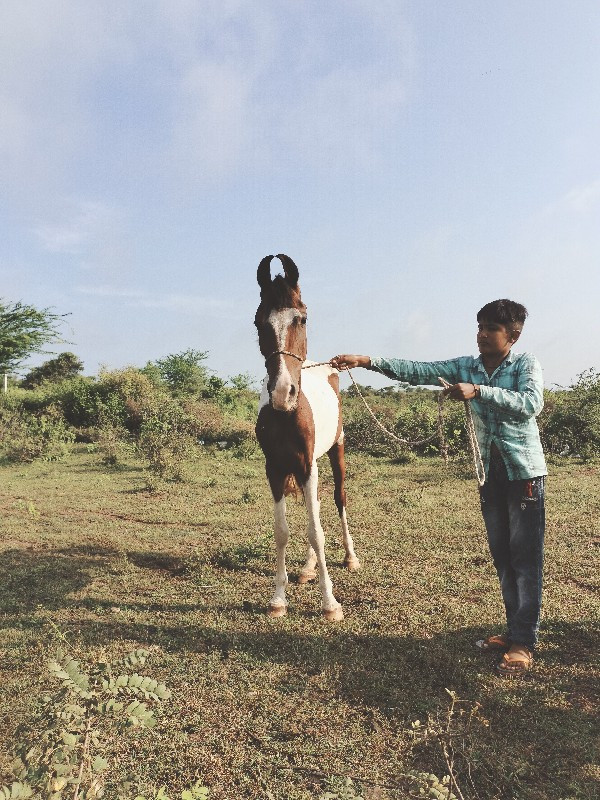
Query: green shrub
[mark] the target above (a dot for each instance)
(26, 436)
(65, 758)
(210, 423)
(412, 417)
(118, 398)
(128, 396)
(183, 373)
(570, 424)
(165, 440)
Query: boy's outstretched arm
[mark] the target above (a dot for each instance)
(348, 361)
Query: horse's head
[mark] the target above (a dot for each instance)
(281, 323)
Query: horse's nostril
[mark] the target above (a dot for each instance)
(292, 390)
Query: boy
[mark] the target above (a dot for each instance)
(507, 394)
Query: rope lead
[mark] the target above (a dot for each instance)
(469, 425)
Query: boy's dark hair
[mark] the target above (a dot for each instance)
(504, 312)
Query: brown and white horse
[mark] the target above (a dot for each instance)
(299, 420)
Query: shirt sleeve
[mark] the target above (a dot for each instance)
(527, 400)
(417, 373)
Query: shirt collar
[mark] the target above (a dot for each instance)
(508, 360)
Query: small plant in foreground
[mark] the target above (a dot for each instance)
(15, 791)
(429, 785)
(65, 759)
(452, 733)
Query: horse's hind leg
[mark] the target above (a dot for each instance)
(338, 466)
(332, 610)
(309, 570)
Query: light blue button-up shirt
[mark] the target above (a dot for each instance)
(504, 413)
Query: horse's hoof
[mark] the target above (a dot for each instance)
(306, 577)
(334, 614)
(352, 564)
(276, 611)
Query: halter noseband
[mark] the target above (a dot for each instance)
(282, 353)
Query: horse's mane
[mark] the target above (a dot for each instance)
(280, 294)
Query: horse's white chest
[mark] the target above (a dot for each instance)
(323, 402)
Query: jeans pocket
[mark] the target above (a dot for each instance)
(532, 493)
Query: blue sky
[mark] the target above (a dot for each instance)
(416, 159)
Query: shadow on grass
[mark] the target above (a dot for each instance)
(32, 578)
(543, 728)
(533, 743)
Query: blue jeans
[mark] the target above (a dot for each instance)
(514, 517)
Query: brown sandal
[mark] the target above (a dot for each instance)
(494, 642)
(517, 661)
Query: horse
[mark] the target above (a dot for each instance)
(299, 420)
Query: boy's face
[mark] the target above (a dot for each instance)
(495, 339)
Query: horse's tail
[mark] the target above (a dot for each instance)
(291, 487)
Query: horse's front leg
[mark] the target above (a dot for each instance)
(278, 604)
(332, 610)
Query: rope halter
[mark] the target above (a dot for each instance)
(282, 353)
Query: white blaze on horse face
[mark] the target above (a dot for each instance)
(280, 321)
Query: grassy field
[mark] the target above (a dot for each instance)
(290, 708)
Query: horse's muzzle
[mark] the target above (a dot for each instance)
(284, 398)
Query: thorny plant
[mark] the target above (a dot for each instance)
(450, 731)
(421, 785)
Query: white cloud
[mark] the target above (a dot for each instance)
(110, 292)
(136, 298)
(200, 88)
(75, 227)
(583, 198)
(211, 125)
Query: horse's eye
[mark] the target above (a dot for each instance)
(303, 320)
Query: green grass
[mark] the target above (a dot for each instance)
(276, 708)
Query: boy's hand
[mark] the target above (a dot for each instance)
(348, 361)
(460, 391)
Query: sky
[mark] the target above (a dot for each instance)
(416, 159)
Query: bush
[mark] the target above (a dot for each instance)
(182, 372)
(165, 441)
(412, 417)
(571, 421)
(210, 423)
(26, 436)
(118, 398)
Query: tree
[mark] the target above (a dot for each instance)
(243, 382)
(64, 366)
(183, 373)
(25, 330)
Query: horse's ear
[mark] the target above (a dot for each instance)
(290, 269)
(263, 275)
